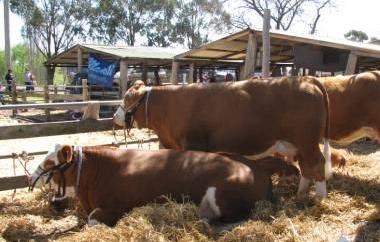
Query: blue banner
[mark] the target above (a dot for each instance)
(100, 72)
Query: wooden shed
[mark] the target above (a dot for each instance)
(300, 52)
(147, 58)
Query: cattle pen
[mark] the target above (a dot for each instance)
(90, 122)
(351, 212)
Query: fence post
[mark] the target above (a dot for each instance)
(14, 98)
(85, 90)
(24, 97)
(46, 99)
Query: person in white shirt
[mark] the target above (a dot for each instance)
(29, 80)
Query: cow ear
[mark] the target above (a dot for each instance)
(67, 153)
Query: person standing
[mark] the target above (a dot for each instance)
(29, 80)
(10, 80)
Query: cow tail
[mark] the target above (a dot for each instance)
(326, 145)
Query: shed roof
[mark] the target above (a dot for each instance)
(136, 55)
(233, 47)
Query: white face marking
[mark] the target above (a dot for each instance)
(303, 186)
(360, 133)
(327, 155)
(320, 188)
(280, 146)
(119, 117)
(53, 156)
(208, 207)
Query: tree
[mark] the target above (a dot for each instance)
(319, 5)
(161, 28)
(20, 57)
(52, 25)
(197, 18)
(356, 35)
(115, 20)
(284, 12)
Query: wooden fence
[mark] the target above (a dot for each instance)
(89, 123)
(53, 93)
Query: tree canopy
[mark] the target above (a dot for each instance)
(356, 35)
(284, 12)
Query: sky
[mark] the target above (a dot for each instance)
(335, 22)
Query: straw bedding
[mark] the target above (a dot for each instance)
(351, 212)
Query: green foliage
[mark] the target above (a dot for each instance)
(356, 35)
(3, 66)
(20, 58)
(115, 20)
(198, 17)
(52, 25)
(160, 30)
(160, 22)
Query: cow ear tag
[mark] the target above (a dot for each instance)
(67, 153)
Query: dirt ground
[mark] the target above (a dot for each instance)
(47, 143)
(350, 213)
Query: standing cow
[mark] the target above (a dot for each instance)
(110, 182)
(355, 106)
(255, 118)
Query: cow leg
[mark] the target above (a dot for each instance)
(314, 166)
(208, 210)
(320, 188)
(303, 187)
(108, 217)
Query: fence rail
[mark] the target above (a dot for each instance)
(61, 105)
(15, 182)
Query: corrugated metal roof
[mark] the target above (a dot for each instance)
(135, 54)
(137, 51)
(237, 44)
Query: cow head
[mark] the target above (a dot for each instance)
(132, 100)
(56, 167)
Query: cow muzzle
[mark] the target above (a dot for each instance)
(119, 117)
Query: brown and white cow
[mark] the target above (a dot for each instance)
(255, 118)
(354, 106)
(110, 182)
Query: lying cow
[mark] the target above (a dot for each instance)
(255, 118)
(110, 182)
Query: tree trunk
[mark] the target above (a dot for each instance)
(50, 74)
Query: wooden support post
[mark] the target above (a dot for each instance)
(92, 111)
(351, 64)
(144, 74)
(250, 56)
(14, 98)
(157, 76)
(266, 44)
(174, 77)
(241, 76)
(46, 99)
(191, 73)
(200, 75)
(80, 61)
(85, 90)
(7, 42)
(123, 78)
(23, 97)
